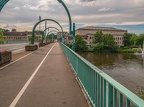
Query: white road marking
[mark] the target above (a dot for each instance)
(28, 82)
(15, 61)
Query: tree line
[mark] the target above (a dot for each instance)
(106, 43)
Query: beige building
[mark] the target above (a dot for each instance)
(18, 36)
(88, 33)
(59, 34)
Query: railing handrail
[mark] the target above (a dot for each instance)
(127, 93)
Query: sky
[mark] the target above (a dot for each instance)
(123, 14)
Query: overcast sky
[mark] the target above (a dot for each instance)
(123, 14)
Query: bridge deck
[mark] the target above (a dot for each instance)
(52, 84)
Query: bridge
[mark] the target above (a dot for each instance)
(55, 76)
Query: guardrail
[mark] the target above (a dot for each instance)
(102, 90)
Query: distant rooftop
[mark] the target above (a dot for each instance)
(99, 28)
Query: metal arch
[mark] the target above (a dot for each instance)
(44, 36)
(52, 27)
(40, 22)
(69, 16)
(51, 31)
(72, 31)
(2, 4)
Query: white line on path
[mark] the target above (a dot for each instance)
(15, 61)
(28, 82)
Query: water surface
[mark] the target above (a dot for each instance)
(127, 69)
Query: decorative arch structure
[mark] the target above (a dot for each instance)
(52, 33)
(71, 31)
(69, 16)
(40, 22)
(2, 4)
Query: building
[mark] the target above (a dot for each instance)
(64, 34)
(88, 33)
(14, 37)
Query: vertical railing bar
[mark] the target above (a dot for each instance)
(97, 90)
(92, 85)
(121, 100)
(104, 93)
(89, 81)
(94, 89)
(114, 97)
(127, 103)
(96, 94)
(100, 91)
(110, 96)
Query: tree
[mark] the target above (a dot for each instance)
(81, 44)
(30, 38)
(127, 39)
(4, 30)
(104, 42)
(133, 39)
(14, 30)
(98, 37)
(108, 39)
(140, 39)
(2, 37)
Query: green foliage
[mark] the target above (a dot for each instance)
(126, 50)
(2, 38)
(30, 38)
(69, 45)
(133, 39)
(4, 30)
(98, 37)
(140, 39)
(81, 44)
(104, 43)
(13, 30)
(51, 37)
(128, 39)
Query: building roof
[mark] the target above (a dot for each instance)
(100, 28)
(18, 33)
(14, 33)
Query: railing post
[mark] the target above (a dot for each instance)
(73, 45)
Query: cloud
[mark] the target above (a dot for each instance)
(16, 8)
(91, 2)
(105, 9)
(83, 12)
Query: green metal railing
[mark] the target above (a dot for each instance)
(102, 90)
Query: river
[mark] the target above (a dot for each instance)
(127, 69)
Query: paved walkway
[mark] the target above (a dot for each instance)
(41, 79)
